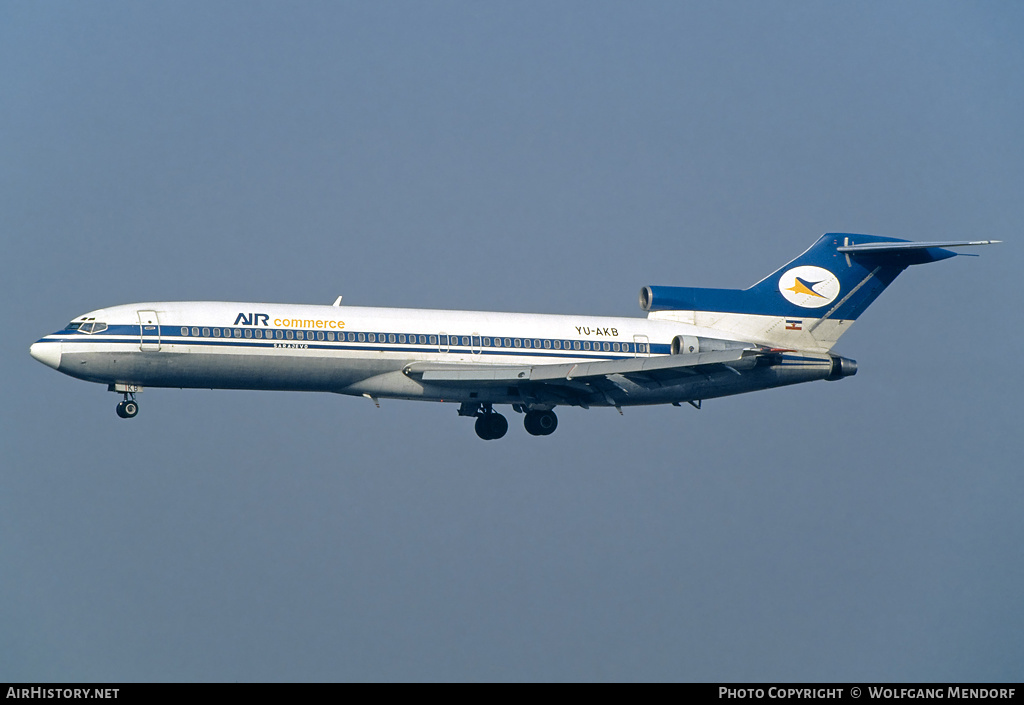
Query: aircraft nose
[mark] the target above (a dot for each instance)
(47, 353)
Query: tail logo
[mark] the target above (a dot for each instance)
(809, 287)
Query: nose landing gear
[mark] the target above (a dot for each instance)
(128, 408)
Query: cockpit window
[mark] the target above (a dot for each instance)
(90, 327)
(73, 326)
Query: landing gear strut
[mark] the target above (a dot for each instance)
(540, 423)
(128, 408)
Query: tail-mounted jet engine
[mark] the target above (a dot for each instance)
(691, 344)
(842, 367)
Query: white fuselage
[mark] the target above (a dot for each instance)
(367, 351)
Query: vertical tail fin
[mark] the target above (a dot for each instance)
(808, 303)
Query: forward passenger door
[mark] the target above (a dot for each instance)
(149, 331)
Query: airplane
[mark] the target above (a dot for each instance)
(695, 344)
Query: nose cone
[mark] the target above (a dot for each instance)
(47, 353)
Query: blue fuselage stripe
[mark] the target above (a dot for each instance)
(171, 335)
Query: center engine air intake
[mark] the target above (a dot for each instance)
(662, 298)
(646, 298)
(682, 298)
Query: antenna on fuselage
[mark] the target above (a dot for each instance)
(337, 302)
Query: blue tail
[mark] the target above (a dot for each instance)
(835, 280)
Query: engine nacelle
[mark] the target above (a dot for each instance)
(842, 367)
(660, 298)
(691, 344)
(685, 344)
(684, 298)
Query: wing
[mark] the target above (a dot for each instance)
(579, 383)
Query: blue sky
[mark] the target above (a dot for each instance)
(548, 157)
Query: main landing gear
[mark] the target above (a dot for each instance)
(540, 423)
(490, 425)
(128, 408)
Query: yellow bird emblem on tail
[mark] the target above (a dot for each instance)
(802, 287)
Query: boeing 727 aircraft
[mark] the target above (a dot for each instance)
(694, 344)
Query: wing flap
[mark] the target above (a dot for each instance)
(633, 366)
(470, 372)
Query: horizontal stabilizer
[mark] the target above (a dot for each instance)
(879, 247)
